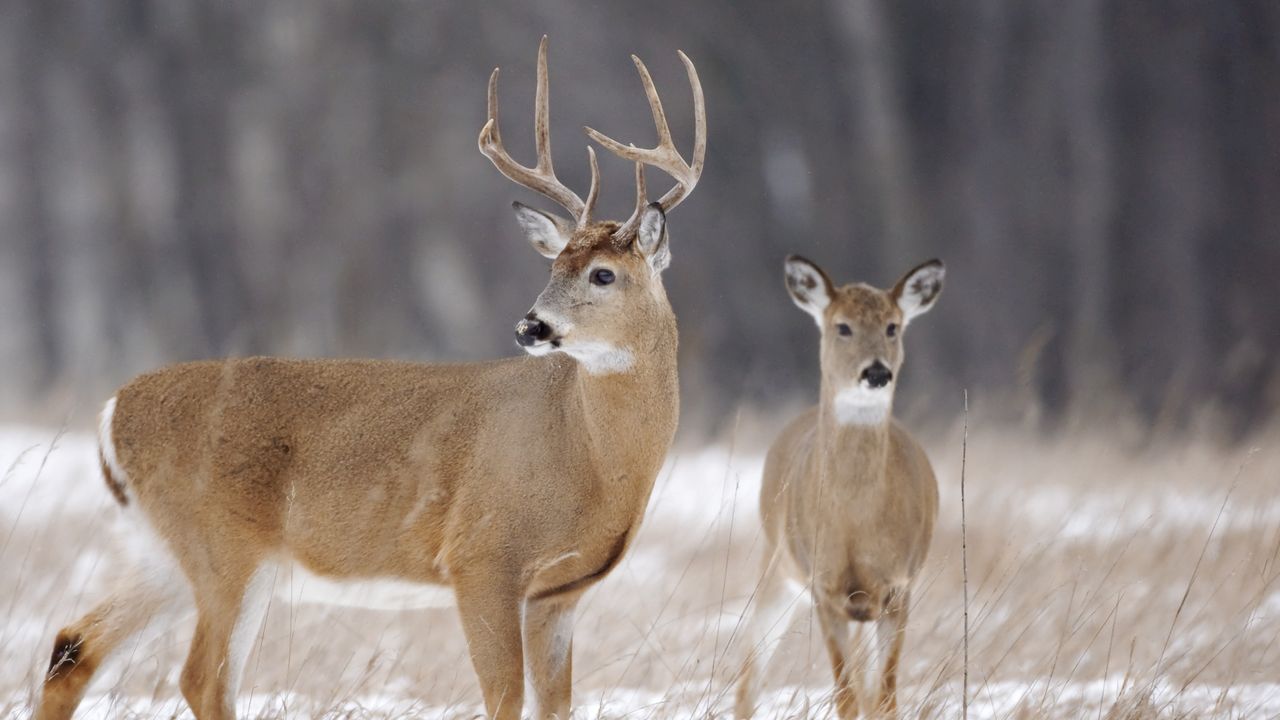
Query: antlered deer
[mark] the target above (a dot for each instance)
(848, 499)
(518, 483)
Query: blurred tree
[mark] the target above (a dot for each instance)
(183, 179)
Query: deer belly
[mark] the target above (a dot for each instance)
(296, 584)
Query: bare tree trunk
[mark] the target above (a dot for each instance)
(877, 104)
(33, 315)
(1090, 344)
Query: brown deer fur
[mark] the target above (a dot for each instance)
(517, 483)
(848, 499)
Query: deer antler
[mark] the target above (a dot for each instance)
(541, 177)
(664, 155)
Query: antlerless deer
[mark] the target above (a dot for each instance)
(518, 482)
(848, 499)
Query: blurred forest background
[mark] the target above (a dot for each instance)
(184, 179)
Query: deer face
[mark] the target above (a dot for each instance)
(605, 293)
(604, 297)
(862, 330)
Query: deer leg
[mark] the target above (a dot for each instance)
(143, 601)
(890, 631)
(548, 638)
(844, 659)
(774, 604)
(231, 606)
(489, 604)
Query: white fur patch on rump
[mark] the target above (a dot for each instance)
(107, 445)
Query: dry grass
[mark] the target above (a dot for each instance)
(1104, 583)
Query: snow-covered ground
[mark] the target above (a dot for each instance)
(1096, 576)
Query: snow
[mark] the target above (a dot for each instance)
(54, 478)
(44, 474)
(996, 701)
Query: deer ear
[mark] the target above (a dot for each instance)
(651, 237)
(919, 289)
(546, 232)
(809, 286)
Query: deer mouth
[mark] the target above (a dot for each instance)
(533, 332)
(544, 346)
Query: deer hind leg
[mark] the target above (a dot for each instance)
(144, 603)
(775, 602)
(230, 613)
(489, 604)
(548, 647)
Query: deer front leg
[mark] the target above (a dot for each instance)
(489, 603)
(890, 631)
(548, 637)
(835, 633)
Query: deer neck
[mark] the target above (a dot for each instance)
(630, 415)
(851, 452)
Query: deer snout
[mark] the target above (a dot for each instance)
(877, 374)
(530, 330)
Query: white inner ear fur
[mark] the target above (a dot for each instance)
(920, 291)
(546, 232)
(651, 238)
(808, 289)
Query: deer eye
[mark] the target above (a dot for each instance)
(844, 329)
(602, 276)
(892, 330)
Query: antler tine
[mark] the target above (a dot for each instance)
(699, 117)
(542, 112)
(541, 177)
(627, 230)
(664, 155)
(589, 207)
(642, 192)
(655, 103)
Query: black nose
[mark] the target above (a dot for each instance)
(877, 375)
(530, 330)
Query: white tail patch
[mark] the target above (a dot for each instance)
(296, 584)
(107, 446)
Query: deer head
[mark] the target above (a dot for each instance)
(862, 329)
(605, 291)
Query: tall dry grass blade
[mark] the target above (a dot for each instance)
(964, 558)
(710, 695)
(17, 461)
(1195, 571)
(1106, 667)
